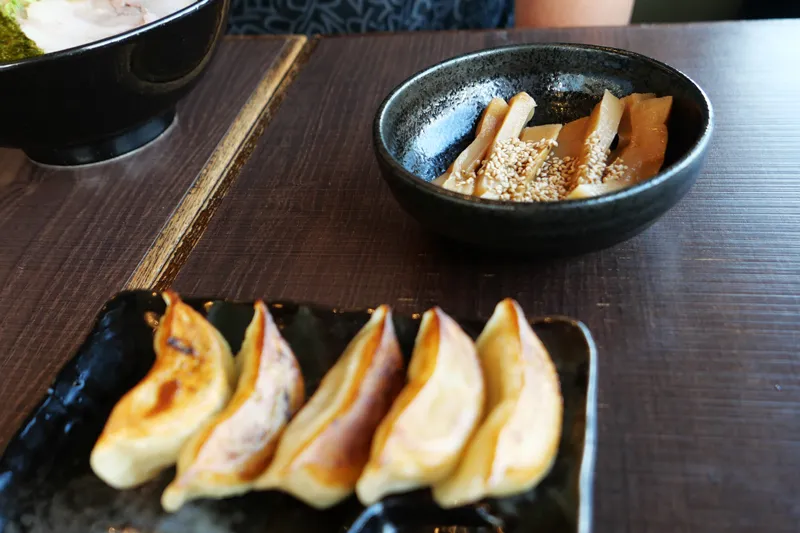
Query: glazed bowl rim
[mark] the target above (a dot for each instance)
(113, 39)
(398, 170)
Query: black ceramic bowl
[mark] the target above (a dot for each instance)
(106, 98)
(426, 121)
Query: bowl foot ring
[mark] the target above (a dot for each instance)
(104, 149)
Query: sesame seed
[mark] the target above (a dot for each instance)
(506, 172)
(595, 156)
(515, 171)
(617, 171)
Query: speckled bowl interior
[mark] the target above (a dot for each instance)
(425, 122)
(433, 117)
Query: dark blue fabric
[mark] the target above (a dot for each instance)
(360, 16)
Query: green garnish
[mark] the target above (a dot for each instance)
(12, 7)
(14, 44)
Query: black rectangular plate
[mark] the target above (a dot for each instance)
(46, 484)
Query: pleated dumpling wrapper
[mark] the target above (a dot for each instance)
(516, 445)
(191, 380)
(235, 447)
(325, 447)
(421, 440)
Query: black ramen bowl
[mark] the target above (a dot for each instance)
(426, 121)
(104, 99)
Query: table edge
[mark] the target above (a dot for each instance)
(176, 239)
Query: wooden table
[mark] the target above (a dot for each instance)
(696, 320)
(70, 239)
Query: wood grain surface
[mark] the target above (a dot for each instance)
(70, 239)
(697, 319)
(189, 219)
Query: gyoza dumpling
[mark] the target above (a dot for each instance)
(191, 381)
(236, 446)
(324, 449)
(423, 436)
(516, 444)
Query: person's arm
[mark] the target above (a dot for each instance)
(563, 13)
